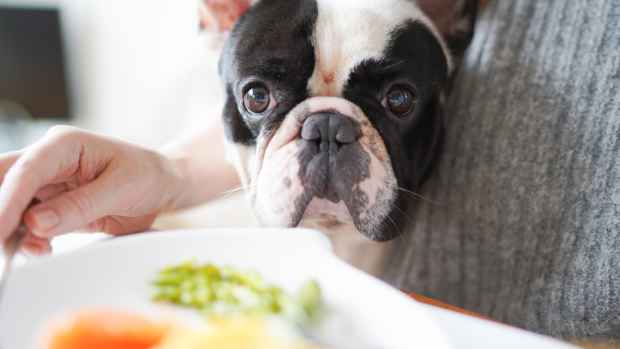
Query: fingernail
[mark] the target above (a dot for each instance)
(33, 250)
(44, 220)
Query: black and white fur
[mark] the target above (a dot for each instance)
(341, 57)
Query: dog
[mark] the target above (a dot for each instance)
(334, 109)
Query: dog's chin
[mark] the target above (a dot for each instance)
(327, 216)
(323, 214)
(327, 213)
(331, 217)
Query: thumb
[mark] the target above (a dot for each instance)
(71, 211)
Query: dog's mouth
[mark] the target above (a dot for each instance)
(324, 164)
(332, 163)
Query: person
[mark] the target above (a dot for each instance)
(73, 179)
(523, 215)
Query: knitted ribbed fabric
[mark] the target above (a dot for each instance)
(525, 221)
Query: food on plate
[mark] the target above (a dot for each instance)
(106, 329)
(238, 333)
(224, 291)
(102, 329)
(243, 311)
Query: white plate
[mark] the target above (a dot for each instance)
(117, 273)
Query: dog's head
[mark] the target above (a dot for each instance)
(334, 107)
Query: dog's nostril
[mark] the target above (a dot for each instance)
(330, 127)
(314, 127)
(347, 134)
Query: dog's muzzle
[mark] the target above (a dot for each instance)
(325, 162)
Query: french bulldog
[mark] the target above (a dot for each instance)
(333, 111)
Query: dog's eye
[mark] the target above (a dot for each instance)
(257, 99)
(401, 100)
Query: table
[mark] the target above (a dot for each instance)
(435, 303)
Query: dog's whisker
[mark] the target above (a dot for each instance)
(404, 214)
(398, 231)
(232, 191)
(236, 190)
(419, 196)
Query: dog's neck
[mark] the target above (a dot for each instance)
(354, 248)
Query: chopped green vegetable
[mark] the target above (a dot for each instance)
(309, 296)
(227, 291)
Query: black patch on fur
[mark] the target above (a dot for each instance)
(235, 128)
(313, 174)
(271, 43)
(350, 167)
(413, 56)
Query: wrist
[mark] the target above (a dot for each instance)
(178, 181)
(200, 170)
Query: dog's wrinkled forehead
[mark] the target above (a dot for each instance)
(314, 45)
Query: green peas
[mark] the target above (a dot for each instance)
(226, 291)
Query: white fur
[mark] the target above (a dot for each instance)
(354, 248)
(348, 32)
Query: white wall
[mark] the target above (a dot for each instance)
(138, 68)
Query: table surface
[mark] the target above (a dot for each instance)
(436, 303)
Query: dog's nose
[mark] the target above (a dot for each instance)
(330, 127)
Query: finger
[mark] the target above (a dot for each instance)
(51, 191)
(36, 246)
(34, 169)
(117, 225)
(72, 210)
(6, 161)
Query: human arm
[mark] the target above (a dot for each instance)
(87, 181)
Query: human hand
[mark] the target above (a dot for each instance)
(84, 181)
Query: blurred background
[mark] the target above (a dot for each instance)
(133, 69)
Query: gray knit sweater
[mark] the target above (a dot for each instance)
(526, 221)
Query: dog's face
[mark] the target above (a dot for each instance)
(333, 107)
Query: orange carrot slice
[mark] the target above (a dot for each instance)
(106, 330)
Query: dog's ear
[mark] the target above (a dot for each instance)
(219, 16)
(455, 20)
